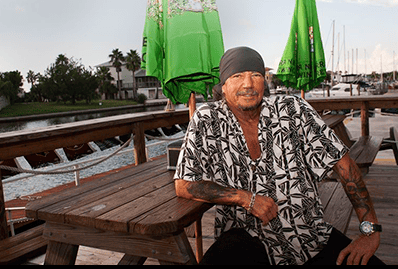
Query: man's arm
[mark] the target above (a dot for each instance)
(209, 192)
(362, 249)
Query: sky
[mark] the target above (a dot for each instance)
(34, 32)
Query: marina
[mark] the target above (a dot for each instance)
(86, 131)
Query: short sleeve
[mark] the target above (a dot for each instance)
(194, 159)
(322, 147)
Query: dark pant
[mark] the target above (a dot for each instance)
(238, 247)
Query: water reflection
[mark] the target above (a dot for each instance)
(28, 125)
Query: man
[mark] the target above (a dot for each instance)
(259, 159)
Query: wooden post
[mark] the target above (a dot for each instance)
(139, 144)
(192, 105)
(3, 218)
(303, 94)
(365, 119)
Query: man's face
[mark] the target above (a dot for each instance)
(244, 91)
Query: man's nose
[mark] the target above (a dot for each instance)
(248, 81)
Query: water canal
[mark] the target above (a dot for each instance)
(39, 123)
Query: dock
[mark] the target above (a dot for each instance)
(382, 179)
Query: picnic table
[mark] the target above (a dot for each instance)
(134, 211)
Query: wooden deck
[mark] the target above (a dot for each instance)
(382, 182)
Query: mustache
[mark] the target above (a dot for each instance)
(247, 93)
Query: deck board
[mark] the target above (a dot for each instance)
(382, 183)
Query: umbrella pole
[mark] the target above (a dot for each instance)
(192, 105)
(303, 94)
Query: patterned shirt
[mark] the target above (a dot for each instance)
(298, 150)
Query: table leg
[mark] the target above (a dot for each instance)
(61, 254)
(199, 240)
(132, 260)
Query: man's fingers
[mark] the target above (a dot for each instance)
(365, 259)
(342, 256)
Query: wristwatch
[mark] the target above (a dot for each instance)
(367, 228)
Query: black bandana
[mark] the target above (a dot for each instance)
(239, 60)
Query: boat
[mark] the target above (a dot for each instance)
(343, 90)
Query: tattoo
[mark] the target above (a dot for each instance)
(356, 190)
(211, 192)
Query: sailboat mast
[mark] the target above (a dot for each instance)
(394, 71)
(332, 78)
(345, 63)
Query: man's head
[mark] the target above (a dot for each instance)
(242, 75)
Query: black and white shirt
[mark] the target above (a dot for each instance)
(298, 149)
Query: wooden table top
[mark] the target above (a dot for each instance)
(140, 200)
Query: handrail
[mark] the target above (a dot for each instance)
(364, 103)
(27, 142)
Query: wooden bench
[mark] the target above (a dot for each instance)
(363, 151)
(338, 208)
(22, 247)
(389, 144)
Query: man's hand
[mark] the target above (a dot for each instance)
(265, 209)
(361, 250)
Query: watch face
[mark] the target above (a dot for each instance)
(366, 228)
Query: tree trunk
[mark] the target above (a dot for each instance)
(119, 85)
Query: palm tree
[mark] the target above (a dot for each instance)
(32, 77)
(104, 79)
(133, 64)
(62, 60)
(117, 60)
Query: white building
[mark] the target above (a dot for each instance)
(4, 102)
(149, 86)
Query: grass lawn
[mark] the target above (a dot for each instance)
(27, 109)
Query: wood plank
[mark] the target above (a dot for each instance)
(139, 144)
(333, 120)
(22, 143)
(33, 207)
(326, 191)
(118, 219)
(165, 248)
(57, 211)
(367, 147)
(61, 254)
(18, 254)
(339, 103)
(394, 137)
(132, 260)
(339, 210)
(25, 245)
(124, 196)
(171, 217)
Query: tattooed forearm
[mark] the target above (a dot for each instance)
(211, 192)
(351, 179)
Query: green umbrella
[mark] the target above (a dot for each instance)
(183, 46)
(303, 63)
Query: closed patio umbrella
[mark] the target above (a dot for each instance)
(183, 46)
(303, 62)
